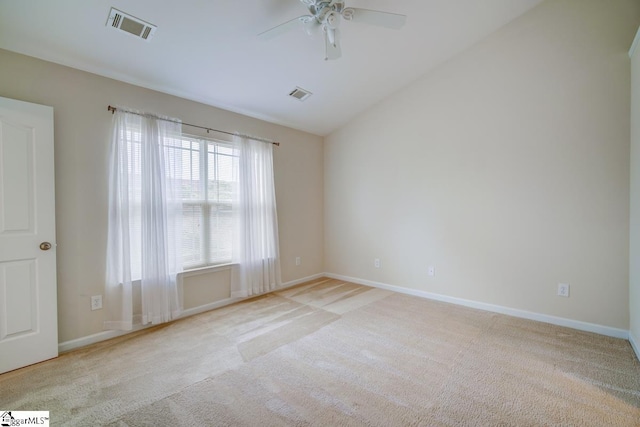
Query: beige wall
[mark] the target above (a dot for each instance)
(506, 169)
(82, 126)
(634, 256)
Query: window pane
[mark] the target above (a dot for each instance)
(220, 233)
(192, 235)
(209, 180)
(222, 173)
(225, 150)
(191, 184)
(134, 148)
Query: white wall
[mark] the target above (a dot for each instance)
(634, 255)
(506, 169)
(82, 126)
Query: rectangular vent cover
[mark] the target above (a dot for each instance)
(130, 24)
(300, 94)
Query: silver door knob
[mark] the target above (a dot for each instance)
(45, 246)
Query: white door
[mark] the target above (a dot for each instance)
(28, 300)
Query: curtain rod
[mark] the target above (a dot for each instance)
(277, 144)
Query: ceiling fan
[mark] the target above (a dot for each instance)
(327, 15)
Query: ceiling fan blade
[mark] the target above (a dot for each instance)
(287, 26)
(393, 21)
(332, 43)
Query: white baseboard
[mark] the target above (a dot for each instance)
(66, 346)
(635, 344)
(228, 301)
(304, 279)
(560, 321)
(208, 307)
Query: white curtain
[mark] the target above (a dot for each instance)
(144, 220)
(256, 249)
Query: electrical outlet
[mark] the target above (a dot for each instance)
(96, 302)
(298, 261)
(432, 271)
(563, 290)
(376, 263)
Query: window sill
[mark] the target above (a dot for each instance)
(205, 270)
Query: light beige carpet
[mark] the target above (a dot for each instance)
(329, 353)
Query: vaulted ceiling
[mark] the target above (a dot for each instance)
(208, 51)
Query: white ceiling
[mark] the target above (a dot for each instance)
(207, 50)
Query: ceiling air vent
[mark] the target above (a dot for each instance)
(130, 24)
(300, 94)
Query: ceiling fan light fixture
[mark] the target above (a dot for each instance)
(300, 94)
(331, 20)
(327, 14)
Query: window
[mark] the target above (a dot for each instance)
(180, 202)
(207, 171)
(209, 184)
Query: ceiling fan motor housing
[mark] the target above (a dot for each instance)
(323, 10)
